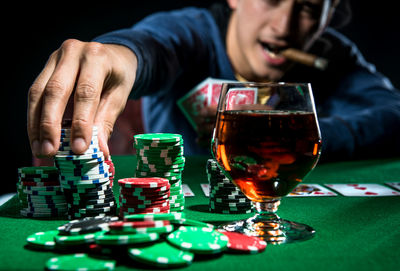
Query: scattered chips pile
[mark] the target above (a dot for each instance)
(39, 192)
(143, 195)
(161, 155)
(225, 197)
(85, 179)
(166, 240)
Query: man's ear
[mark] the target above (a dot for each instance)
(232, 3)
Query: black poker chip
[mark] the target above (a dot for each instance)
(224, 196)
(86, 225)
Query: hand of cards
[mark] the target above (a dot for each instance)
(207, 94)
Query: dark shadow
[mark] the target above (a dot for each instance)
(199, 208)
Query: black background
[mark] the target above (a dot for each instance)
(31, 32)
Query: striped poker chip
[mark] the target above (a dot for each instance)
(161, 255)
(118, 225)
(154, 217)
(152, 182)
(43, 240)
(200, 240)
(86, 225)
(105, 238)
(240, 242)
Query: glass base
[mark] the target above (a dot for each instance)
(270, 227)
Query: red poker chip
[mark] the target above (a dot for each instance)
(119, 225)
(141, 210)
(160, 189)
(123, 200)
(148, 182)
(144, 206)
(145, 197)
(122, 214)
(240, 242)
(141, 194)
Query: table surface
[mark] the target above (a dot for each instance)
(353, 233)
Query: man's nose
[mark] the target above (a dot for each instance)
(281, 23)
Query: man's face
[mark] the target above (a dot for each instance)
(260, 29)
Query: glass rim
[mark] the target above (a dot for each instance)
(290, 84)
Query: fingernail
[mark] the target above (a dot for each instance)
(79, 145)
(47, 147)
(36, 147)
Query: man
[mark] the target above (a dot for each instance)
(165, 55)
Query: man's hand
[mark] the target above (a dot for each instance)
(98, 77)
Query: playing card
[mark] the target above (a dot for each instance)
(187, 192)
(363, 190)
(215, 86)
(204, 94)
(395, 185)
(311, 190)
(206, 189)
(194, 101)
(240, 96)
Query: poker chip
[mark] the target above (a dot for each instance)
(79, 261)
(86, 225)
(224, 196)
(86, 179)
(43, 240)
(167, 240)
(105, 238)
(239, 242)
(143, 195)
(73, 240)
(39, 192)
(162, 155)
(200, 240)
(154, 217)
(143, 182)
(161, 254)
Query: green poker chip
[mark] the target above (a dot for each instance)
(200, 240)
(106, 238)
(38, 170)
(154, 217)
(72, 240)
(158, 137)
(161, 254)
(43, 239)
(79, 261)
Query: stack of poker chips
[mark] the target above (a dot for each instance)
(39, 192)
(161, 155)
(225, 197)
(85, 179)
(143, 196)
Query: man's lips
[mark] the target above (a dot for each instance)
(271, 55)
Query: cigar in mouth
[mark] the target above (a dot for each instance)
(305, 58)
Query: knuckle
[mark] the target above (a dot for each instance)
(35, 91)
(70, 44)
(86, 91)
(95, 48)
(54, 88)
(47, 125)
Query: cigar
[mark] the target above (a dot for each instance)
(305, 58)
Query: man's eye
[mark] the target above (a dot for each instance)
(310, 10)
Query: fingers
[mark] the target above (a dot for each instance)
(88, 90)
(111, 105)
(35, 96)
(48, 97)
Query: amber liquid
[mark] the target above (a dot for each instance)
(267, 153)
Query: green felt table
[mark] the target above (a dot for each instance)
(353, 233)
